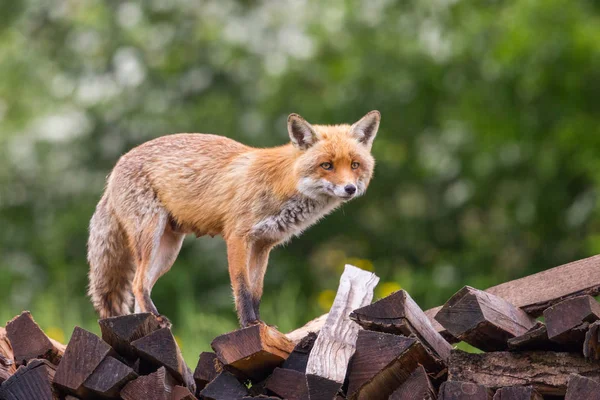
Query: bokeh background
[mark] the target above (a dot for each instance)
(488, 155)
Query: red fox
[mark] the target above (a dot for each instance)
(211, 185)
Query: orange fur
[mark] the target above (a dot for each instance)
(211, 185)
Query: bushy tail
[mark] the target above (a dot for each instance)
(111, 267)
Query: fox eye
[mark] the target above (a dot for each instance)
(354, 165)
(327, 165)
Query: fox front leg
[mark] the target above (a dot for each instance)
(238, 255)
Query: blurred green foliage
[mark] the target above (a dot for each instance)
(488, 153)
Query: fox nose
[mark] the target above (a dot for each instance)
(350, 189)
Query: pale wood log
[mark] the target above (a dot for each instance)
(7, 358)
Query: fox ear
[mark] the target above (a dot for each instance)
(365, 130)
(301, 132)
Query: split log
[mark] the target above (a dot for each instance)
(182, 393)
(328, 360)
(207, 369)
(591, 344)
(417, 387)
(455, 390)
(109, 378)
(29, 341)
(287, 384)
(483, 320)
(252, 352)
(7, 358)
(382, 362)
(548, 372)
(298, 358)
(159, 348)
(567, 321)
(84, 353)
(580, 388)
(120, 331)
(535, 339)
(33, 381)
(156, 386)
(224, 387)
(518, 393)
(399, 314)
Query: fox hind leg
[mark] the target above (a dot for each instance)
(257, 267)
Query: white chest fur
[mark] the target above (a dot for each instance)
(297, 214)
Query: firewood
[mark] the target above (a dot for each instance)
(518, 393)
(224, 387)
(252, 352)
(416, 387)
(591, 344)
(399, 314)
(159, 348)
(29, 341)
(182, 393)
(120, 331)
(580, 388)
(482, 319)
(207, 369)
(298, 359)
(84, 353)
(568, 320)
(7, 358)
(548, 372)
(336, 342)
(535, 339)
(109, 378)
(33, 381)
(382, 362)
(156, 386)
(287, 384)
(455, 390)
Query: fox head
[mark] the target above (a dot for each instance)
(335, 160)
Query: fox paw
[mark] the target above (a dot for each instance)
(163, 321)
(261, 322)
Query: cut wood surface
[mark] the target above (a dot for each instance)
(84, 353)
(591, 344)
(120, 331)
(416, 387)
(224, 387)
(33, 381)
(287, 384)
(7, 363)
(337, 338)
(109, 378)
(156, 386)
(455, 390)
(29, 341)
(535, 339)
(399, 314)
(207, 369)
(483, 320)
(567, 321)
(547, 372)
(580, 388)
(518, 393)
(182, 393)
(298, 359)
(253, 351)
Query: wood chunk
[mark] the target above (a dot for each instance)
(159, 348)
(580, 388)
(483, 320)
(399, 314)
(84, 353)
(382, 362)
(224, 387)
(320, 388)
(120, 331)
(591, 344)
(566, 319)
(454, 390)
(287, 384)
(156, 386)
(298, 359)
(7, 359)
(518, 393)
(182, 393)
(108, 379)
(416, 387)
(313, 326)
(29, 341)
(33, 381)
(335, 344)
(535, 339)
(206, 370)
(548, 372)
(253, 351)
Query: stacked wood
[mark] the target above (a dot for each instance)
(591, 344)
(33, 381)
(580, 387)
(455, 390)
(206, 370)
(29, 341)
(7, 363)
(417, 386)
(517, 393)
(568, 321)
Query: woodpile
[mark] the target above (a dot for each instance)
(390, 349)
